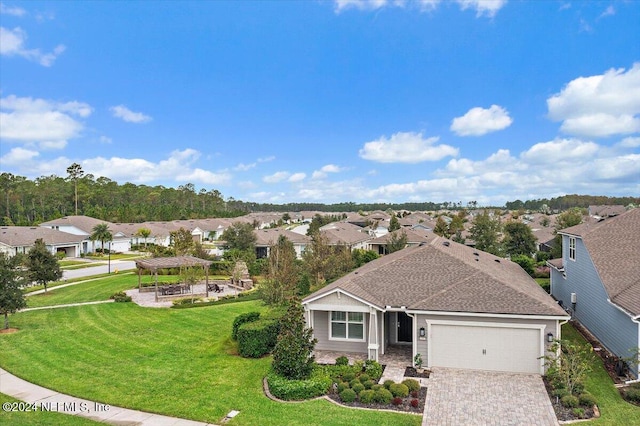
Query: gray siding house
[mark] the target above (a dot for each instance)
(598, 280)
(453, 305)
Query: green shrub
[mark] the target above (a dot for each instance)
(377, 387)
(257, 338)
(295, 390)
(120, 296)
(373, 369)
(242, 319)
(399, 390)
(388, 383)
(363, 377)
(359, 387)
(578, 412)
(383, 396)
(342, 360)
(633, 394)
(586, 399)
(354, 382)
(411, 384)
(578, 388)
(570, 401)
(560, 393)
(186, 301)
(342, 386)
(366, 396)
(347, 395)
(368, 384)
(349, 376)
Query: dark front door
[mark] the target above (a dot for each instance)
(405, 327)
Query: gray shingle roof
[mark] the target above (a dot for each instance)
(614, 247)
(25, 236)
(84, 223)
(268, 237)
(445, 276)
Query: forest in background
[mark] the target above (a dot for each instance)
(25, 202)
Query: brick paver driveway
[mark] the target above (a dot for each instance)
(467, 397)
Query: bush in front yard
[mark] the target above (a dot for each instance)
(363, 378)
(586, 399)
(257, 338)
(578, 412)
(398, 389)
(295, 390)
(366, 396)
(342, 386)
(342, 360)
(388, 383)
(570, 401)
(383, 396)
(373, 369)
(348, 395)
(357, 388)
(396, 401)
(368, 384)
(411, 384)
(415, 403)
(120, 296)
(633, 394)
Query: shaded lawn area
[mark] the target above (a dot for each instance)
(90, 291)
(41, 418)
(613, 409)
(173, 362)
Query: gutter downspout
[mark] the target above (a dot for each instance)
(414, 344)
(636, 320)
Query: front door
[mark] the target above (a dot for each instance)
(405, 328)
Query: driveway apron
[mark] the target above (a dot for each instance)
(469, 397)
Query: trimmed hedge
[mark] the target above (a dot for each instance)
(242, 319)
(411, 384)
(257, 338)
(295, 390)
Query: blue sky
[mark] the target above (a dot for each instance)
(327, 101)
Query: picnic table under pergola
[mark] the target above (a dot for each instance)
(157, 263)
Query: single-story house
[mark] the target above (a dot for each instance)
(265, 238)
(456, 306)
(414, 238)
(598, 280)
(19, 239)
(83, 225)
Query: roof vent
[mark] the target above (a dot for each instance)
(497, 260)
(475, 253)
(421, 244)
(477, 260)
(445, 243)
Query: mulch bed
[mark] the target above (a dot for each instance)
(563, 413)
(8, 330)
(412, 372)
(405, 407)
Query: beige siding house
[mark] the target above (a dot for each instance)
(454, 305)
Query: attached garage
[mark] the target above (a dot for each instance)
(486, 346)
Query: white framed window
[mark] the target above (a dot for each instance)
(572, 248)
(346, 326)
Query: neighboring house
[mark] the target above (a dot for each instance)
(19, 239)
(346, 234)
(455, 306)
(606, 210)
(83, 225)
(414, 238)
(598, 279)
(265, 238)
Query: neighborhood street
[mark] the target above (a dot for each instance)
(119, 265)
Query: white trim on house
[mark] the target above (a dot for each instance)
(339, 292)
(488, 315)
(365, 330)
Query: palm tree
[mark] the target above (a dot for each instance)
(102, 233)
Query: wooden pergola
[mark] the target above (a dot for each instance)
(153, 264)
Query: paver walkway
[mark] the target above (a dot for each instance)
(55, 401)
(468, 397)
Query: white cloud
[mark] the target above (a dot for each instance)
(325, 170)
(17, 156)
(406, 147)
(105, 139)
(276, 177)
(121, 111)
(12, 43)
(41, 121)
(487, 8)
(297, 177)
(609, 11)
(244, 167)
(630, 142)
(266, 159)
(560, 150)
(9, 10)
(480, 121)
(599, 106)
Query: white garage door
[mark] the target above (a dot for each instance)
(485, 347)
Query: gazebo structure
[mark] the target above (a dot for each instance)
(156, 263)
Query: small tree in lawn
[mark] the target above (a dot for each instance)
(568, 365)
(43, 266)
(292, 356)
(12, 279)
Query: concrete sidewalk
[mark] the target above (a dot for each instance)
(47, 399)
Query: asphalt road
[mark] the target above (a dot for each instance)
(120, 265)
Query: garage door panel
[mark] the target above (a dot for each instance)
(485, 348)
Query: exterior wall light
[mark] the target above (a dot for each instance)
(550, 337)
(422, 332)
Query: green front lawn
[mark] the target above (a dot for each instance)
(614, 410)
(91, 291)
(174, 362)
